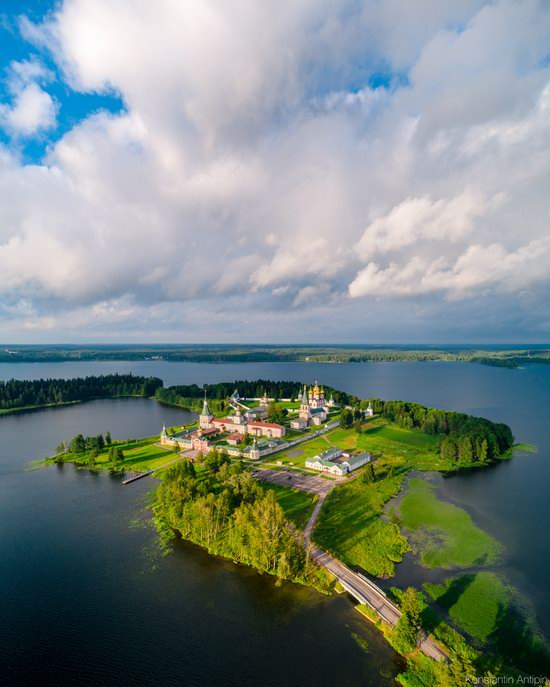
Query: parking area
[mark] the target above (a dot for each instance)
(297, 480)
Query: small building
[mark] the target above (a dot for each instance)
(298, 423)
(266, 429)
(352, 463)
(336, 462)
(370, 411)
(234, 439)
(325, 466)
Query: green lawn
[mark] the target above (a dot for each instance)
(408, 448)
(297, 505)
(442, 534)
(297, 455)
(350, 527)
(140, 455)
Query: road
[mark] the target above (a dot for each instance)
(359, 586)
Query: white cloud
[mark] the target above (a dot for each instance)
(32, 109)
(254, 166)
(478, 267)
(421, 219)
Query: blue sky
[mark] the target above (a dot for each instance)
(73, 106)
(216, 170)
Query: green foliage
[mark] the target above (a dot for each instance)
(346, 418)
(408, 628)
(116, 455)
(276, 412)
(350, 527)
(491, 610)
(19, 393)
(229, 514)
(297, 505)
(191, 395)
(463, 439)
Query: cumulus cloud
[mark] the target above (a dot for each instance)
(478, 267)
(258, 167)
(32, 109)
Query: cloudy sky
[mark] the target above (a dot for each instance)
(283, 170)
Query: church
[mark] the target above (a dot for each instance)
(314, 408)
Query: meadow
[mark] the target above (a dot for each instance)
(350, 527)
(297, 505)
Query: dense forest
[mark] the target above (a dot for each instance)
(218, 353)
(19, 393)
(464, 439)
(185, 395)
(227, 512)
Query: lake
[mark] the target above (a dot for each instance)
(85, 599)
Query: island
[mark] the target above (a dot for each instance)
(320, 487)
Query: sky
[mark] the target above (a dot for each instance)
(331, 171)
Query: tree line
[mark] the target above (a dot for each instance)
(227, 512)
(18, 393)
(463, 439)
(175, 395)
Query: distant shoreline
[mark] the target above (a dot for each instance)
(512, 357)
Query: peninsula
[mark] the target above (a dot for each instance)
(296, 481)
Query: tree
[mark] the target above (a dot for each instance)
(465, 454)
(408, 628)
(78, 444)
(346, 418)
(60, 448)
(368, 474)
(108, 438)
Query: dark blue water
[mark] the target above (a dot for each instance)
(72, 571)
(85, 600)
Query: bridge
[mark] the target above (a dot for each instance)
(357, 585)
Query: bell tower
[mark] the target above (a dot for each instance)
(205, 418)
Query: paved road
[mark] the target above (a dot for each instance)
(359, 586)
(366, 592)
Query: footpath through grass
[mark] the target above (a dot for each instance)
(442, 534)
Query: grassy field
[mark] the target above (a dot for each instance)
(298, 455)
(297, 505)
(350, 527)
(139, 456)
(442, 534)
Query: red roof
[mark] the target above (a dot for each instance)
(223, 420)
(272, 425)
(235, 437)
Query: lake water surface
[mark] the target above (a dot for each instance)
(84, 601)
